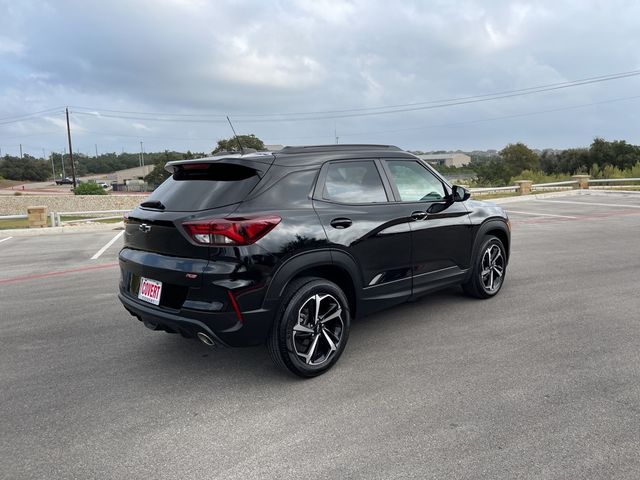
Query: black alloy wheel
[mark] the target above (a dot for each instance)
(489, 269)
(310, 334)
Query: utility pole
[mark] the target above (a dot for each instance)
(20, 151)
(73, 168)
(141, 155)
(53, 168)
(96, 145)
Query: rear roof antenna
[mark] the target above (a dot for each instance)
(235, 135)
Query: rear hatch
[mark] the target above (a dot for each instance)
(197, 189)
(157, 246)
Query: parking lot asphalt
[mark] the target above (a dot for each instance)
(542, 381)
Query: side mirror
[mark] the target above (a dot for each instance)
(460, 194)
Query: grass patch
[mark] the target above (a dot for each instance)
(10, 224)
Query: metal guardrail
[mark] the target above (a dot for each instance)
(58, 222)
(13, 217)
(613, 180)
(93, 212)
(555, 184)
(564, 185)
(512, 188)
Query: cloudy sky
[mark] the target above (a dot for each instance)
(165, 72)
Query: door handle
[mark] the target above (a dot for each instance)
(341, 223)
(418, 215)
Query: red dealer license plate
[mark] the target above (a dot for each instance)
(150, 290)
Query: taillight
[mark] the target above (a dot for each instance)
(230, 231)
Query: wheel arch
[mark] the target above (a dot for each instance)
(496, 227)
(333, 265)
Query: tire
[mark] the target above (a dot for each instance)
(304, 341)
(489, 269)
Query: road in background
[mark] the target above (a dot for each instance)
(542, 381)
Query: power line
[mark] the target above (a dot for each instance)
(373, 132)
(31, 116)
(97, 114)
(326, 114)
(128, 112)
(319, 115)
(357, 112)
(14, 117)
(491, 119)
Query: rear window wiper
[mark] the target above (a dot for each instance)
(153, 204)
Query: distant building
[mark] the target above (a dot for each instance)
(447, 159)
(274, 148)
(136, 173)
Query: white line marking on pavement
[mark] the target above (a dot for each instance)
(109, 243)
(590, 203)
(540, 214)
(5, 239)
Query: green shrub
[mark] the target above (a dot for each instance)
(540, 177)
(89, 189)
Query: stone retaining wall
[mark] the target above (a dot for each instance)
(12, 205)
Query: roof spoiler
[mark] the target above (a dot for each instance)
(259, 157)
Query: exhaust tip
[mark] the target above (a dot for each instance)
(150, 325)
(206, 339)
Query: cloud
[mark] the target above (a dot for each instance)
(140, 126)
(195, 57)
(11, 46)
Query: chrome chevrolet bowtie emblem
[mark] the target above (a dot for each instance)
(144, 228)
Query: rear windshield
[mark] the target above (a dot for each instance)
(204, 186)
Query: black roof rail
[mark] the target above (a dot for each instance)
(355, 147)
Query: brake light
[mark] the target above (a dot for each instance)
(230, 231)
(195, 166)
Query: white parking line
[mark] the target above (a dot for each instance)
(590, 203)
(540, 214)
(5, 239)
(109, 243)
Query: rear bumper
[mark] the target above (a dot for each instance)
(166, 321)
(197, 296)
(252, 330)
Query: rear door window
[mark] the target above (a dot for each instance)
(204, 186)
(354, 182)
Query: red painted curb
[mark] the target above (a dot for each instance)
(36, 276)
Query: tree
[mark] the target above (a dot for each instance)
(492, 172)
(26, 168)
(618, 153)
(159, 174)
(518, 157)
(231, 144)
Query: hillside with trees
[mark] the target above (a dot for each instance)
(602, 159)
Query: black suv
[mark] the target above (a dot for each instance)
(286, 248)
